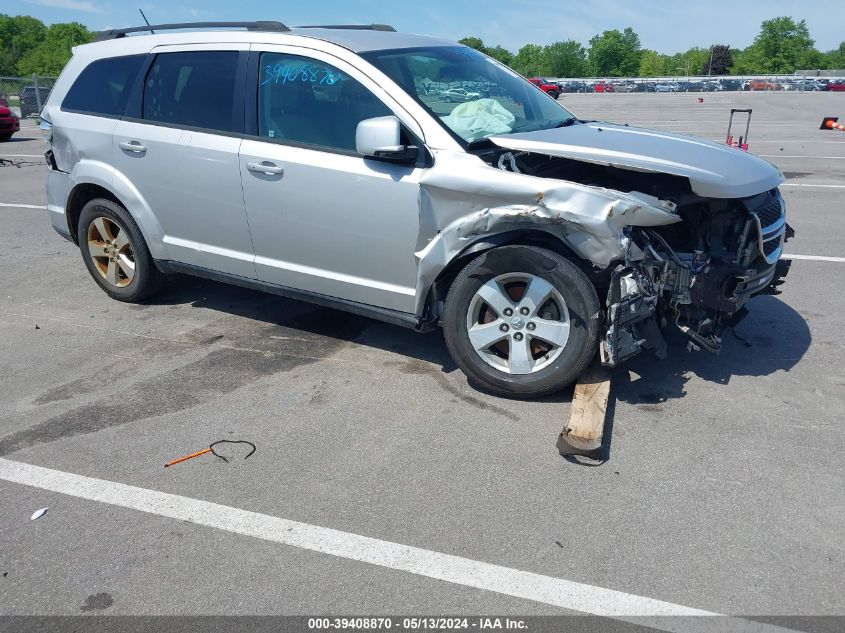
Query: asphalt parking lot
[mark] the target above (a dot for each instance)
(724, 490)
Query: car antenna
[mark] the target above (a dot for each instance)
(146, 20)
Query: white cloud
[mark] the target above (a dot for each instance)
(72, 5)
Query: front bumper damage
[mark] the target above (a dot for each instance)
(702, 292)
(662, 255)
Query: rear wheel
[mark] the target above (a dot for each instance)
(522, 321)
(115, 252)
(5, 137)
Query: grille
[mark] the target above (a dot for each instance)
(771, 246)
(769, 214)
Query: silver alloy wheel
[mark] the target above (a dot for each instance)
(111, 251)
(518, 323)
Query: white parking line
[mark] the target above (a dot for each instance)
(812, 184)
(800, 156)
(22, 206)
(815, 258)
(24, 155)
(414, 560)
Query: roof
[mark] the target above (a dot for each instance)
(357, 39)
(363, 41)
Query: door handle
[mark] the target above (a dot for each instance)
(265, 167)
(132, 146)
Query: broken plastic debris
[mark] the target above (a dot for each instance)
(38, 514)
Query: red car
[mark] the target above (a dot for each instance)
(603, 87)
(9, 123)
(553, 90)
(838, 86)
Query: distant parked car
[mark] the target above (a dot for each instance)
(836, 86)
(601, 86)
(553, 90)
(30, 100)
(762, 84)
(730, 84)
(666, 88)
(459, 95)
(9, 123)
(624, 86)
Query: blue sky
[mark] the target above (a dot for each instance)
(666, 26)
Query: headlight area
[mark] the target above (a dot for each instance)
(696, 275)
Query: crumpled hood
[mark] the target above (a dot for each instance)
(714, 170)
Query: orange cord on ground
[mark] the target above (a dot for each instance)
(186, 457)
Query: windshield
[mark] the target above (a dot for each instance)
(472, 95)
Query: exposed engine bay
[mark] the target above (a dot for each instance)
(696, 274)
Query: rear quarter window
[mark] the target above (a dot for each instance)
(104, 86)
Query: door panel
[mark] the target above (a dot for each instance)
(324, 219)
(191, 181)
(182, 155)
(333, 224)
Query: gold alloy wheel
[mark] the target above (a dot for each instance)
(111, 251)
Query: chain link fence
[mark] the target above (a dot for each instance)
(26, 95)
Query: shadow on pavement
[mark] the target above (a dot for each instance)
(773, 337)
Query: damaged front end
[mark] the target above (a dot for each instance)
(695, 270)
(697, 274)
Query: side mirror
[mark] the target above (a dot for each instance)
(380, 138)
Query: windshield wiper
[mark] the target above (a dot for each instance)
(566, 122)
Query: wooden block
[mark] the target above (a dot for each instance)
(584, 429)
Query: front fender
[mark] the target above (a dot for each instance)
(463, 201)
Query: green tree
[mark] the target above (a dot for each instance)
(501, 54)
(473, 42)
(19, 34)
(743, 63)
(780, 46)
(615, 54)
(836, 57)
(54, 51)
(689, 62)
(564, 59)
(652, 64)
(719, 61)
(529, 60)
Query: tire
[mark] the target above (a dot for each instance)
(554, 95)
(115, 253)
(5, 137)
(542, 368)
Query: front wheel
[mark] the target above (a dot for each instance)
(522, 321)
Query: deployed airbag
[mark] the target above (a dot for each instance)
(480, 118)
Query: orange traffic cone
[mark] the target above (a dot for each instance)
(830, 123)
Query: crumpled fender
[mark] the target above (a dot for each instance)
(464, 201)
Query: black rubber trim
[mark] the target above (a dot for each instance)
(63, 233)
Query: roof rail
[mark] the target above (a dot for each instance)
(350, 27)
(114, 34)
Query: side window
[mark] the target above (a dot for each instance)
(104, 86)
(308, 101)
(193, 89)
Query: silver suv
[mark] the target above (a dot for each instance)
(328, 164)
